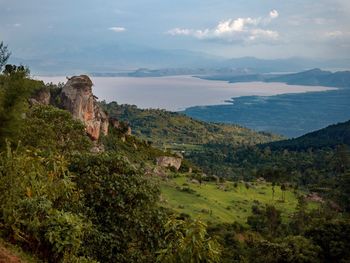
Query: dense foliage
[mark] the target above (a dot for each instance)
(175, 130)
(122, 205)
(64, 203)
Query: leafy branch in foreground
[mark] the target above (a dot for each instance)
(188, 241)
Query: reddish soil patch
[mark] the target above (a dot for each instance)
(8, 257)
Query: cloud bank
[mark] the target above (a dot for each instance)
(240, 30)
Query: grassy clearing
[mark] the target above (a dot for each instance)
(224, 202)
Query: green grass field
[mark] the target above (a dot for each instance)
(224, 202)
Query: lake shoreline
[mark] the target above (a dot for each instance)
(177, 93)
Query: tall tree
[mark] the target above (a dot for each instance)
(4, 54)
(15, 89)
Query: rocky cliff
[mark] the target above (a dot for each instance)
(77, 98)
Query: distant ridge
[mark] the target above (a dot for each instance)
(329, 137)
(315, 77)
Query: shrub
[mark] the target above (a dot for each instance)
(39, 203)
(123, 207)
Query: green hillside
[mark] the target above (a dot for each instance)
(330, 136)
(175, 130)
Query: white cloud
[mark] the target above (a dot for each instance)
(117, 29)
(247, 30)
(274, 14)
(237, 25)
(17, 25)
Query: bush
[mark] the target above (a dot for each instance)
(188, 241)
(54, 130)
(123, 207)
(39, 203)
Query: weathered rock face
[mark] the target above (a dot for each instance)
(115, 123)
(166, 161)
(43, 97)
(78, 99)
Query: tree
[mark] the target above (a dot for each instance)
(341, 160)
(342, 194)
(334, 239)
(15, 89)
(292, 249)
(267, 221)
(122, 204)
(53, 130)
(274, 219)
(283, 189)
(300, 217)
(20, 70)
(38, 204)
(187, 241)
(4, 54)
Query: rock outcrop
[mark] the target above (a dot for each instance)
(167, 161)
(78, 99)
(42, 97)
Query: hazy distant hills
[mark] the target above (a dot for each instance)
(293, 64)
(315, 77)
(330, 136)
(116, 58)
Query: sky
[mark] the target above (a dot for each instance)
(225, 28)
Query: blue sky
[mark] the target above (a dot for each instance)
(227, 28)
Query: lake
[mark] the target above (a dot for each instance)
(177, 93)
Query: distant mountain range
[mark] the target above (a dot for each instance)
(313, 77)
(116, 58)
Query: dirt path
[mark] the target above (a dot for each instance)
(8, 257)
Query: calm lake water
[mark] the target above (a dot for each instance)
(176, 93)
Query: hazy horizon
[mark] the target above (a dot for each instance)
(122, 35)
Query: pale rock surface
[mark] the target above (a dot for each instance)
(167, 161)
(77, 98)
(42, 97)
